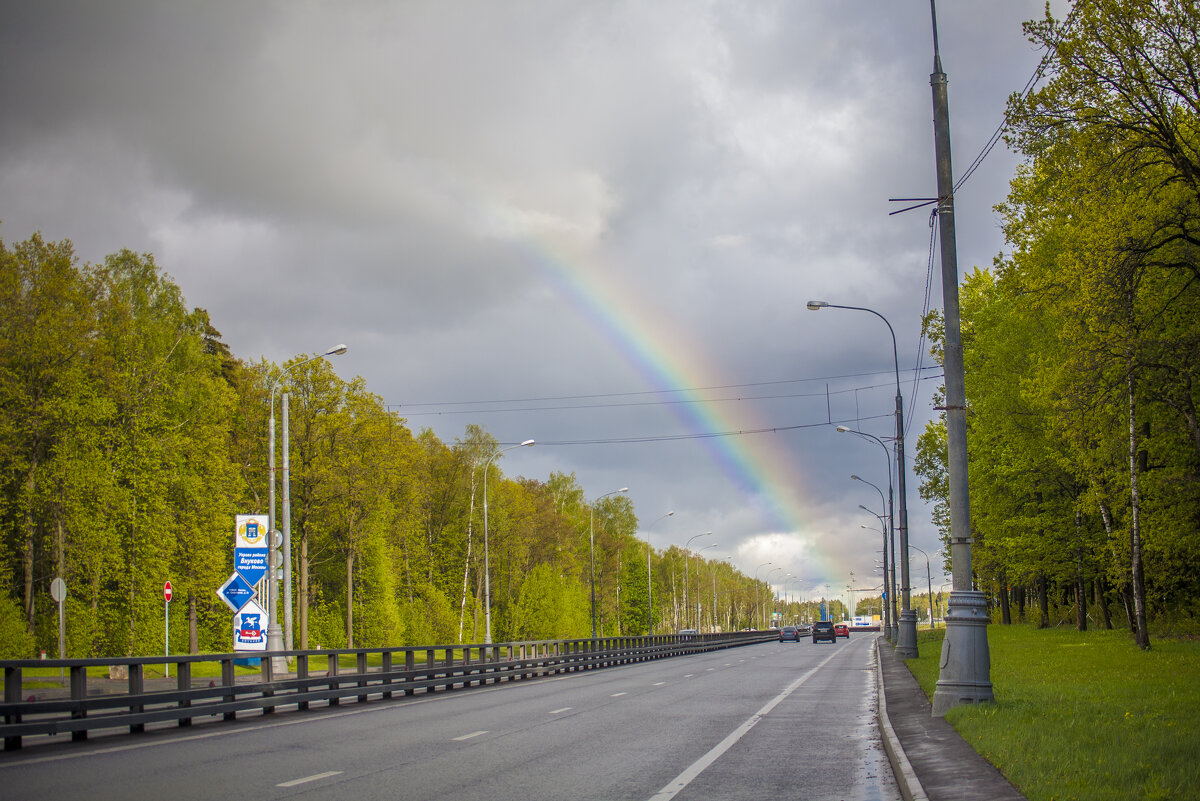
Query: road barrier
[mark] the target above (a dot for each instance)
(319, 676)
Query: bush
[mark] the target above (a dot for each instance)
(15, 640)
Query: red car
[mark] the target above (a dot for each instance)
(842, 630)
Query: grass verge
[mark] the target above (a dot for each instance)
(1083, 715)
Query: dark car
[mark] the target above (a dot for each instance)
(823, 630)
(842, 630)
(789, 633)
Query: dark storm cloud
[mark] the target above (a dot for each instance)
(421, 179)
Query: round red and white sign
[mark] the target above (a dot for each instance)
(167, 591)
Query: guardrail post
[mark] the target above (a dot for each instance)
(302, 673)
(429, 671)
(332, 673)
(229, 679)
(266, 666)
(362, 672)
(410, 664)
(12, 695)
(79, 693)
(137, 686)
(183, 682)
(387, 674)
(448, 663)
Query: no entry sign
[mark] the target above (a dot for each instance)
(167, 591)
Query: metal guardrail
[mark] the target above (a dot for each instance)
(400, 671)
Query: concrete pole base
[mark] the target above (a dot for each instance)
(906, 646)
(965, 676)
(279, 664)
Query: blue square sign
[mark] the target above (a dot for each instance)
(236, 592)
(251, 563)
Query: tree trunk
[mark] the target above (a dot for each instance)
(1080, 604)
(1142, 635)
(1043, 602)
(1127, 601)
(1080, 590)
(462, 604)
(1102, 602)
(193, 635)
(303, 588)
(27, 556)
(1005, 610)
(350, 598)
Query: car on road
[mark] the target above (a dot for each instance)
(823, 630)
(842, 630)
(789, 633)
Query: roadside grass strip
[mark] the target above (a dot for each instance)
(1083, 715)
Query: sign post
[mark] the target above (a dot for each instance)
(167, 626)
(58, 591)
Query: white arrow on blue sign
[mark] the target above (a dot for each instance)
(251, 563)
(236, 592)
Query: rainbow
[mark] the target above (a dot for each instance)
(761, 465)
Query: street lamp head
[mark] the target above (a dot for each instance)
(814, 305)
(336, 350)
(865, 509)
(844, 429)
(527, 443)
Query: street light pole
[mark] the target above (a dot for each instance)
(592, 548)
(965, 676)
(757, 608)
(487, 573)
(650, 583)
(767, 579)
(882, 525)
(883, 609)
(929, 580)
(699, 618)
(687, 610)
(906, 646)
(286, 641)
(892, 634)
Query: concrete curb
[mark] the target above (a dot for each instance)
(906, 777)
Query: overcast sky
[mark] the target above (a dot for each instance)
(594, 224)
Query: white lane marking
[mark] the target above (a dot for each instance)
(307, 779)
(616, 695)
(688, 675)
(710, 670)
(469, 736)
(659, 683)
(556, 711)
(681, 781)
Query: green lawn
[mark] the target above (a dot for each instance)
(1083, 715)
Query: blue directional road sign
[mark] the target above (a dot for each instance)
(251, 563)
(236, 592)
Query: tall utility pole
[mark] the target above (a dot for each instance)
(966, 662)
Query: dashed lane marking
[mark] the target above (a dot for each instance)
(307, 779)
(469, 736)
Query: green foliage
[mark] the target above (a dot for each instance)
(1080, 347)
(551, 607)
(1083, 714)
(15, 640)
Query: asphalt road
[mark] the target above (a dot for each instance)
(771, 721)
